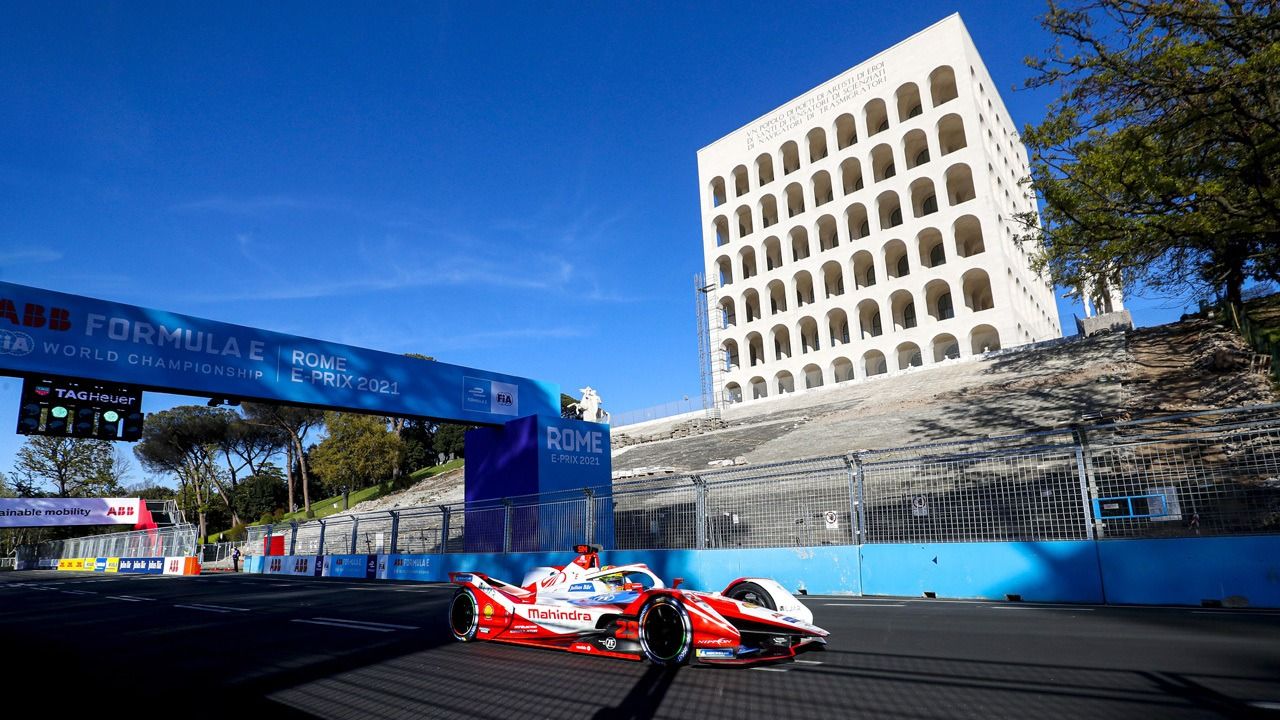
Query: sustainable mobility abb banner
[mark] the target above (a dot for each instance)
(35, 512)
(42, 331)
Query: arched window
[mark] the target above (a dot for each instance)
(781, 337)
(804, 288)
(876, 116)
(908, 102)
(722, 230)
(786, 383)
(755, 349)
(747, 260)
(951, 134)
(751, 305)
(808, 329)
(915, 148)
(908, 356)
(790, 157)
(772, 248)
(838, 327)
(984, 338)
(895, 255)
(812, 377)
(799, 244)
(822, 188)
(841, 370)
(817, 144)
(795, 200)
(890, 210)
(777, 297)
(945, 347)
(968, 234)
(851, 174)
(937, 295)
(717, 192)
(856, 221)
(977, 290)
(923, 200)
(740, 184)
(768, 211)
(959, 184)
(828, 238)
(942, 85)
(882, 162)
(873, 363)
(764, 168)
(846, 133)
(743, 215)
(759, 389)
(732, 393)
(864, 270)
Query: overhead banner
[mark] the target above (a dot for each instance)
(37, 512)
(43, 332)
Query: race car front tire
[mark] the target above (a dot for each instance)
(464, 618)
(750, 592)
(666, 635)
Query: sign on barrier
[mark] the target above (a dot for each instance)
(142, 566)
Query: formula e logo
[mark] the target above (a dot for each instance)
(16, 343)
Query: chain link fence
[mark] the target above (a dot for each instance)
(1215, 473)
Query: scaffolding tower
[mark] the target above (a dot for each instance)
(705, 303)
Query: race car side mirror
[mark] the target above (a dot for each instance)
(676, 582)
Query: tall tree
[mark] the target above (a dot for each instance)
(184, 441)
(295, 423)
(1159, 164)
(69, 467)
(359, 451)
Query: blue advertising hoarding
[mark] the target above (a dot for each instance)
(42, 331)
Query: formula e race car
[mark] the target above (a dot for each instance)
(627, 612)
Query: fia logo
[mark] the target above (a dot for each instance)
(503, 398)
(16, 343)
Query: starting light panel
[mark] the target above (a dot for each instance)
(80, 408)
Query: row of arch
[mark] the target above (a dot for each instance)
(903, 313)
(897, 261)
(883, 162)
(945, 346)
(887, 209)
(874, 119)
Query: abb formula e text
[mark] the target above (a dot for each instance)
(627, 612)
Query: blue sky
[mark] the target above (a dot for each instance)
(506, 187)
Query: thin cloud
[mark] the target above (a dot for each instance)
(250, 205)
(29, 257)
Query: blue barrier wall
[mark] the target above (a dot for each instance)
(1187, 571)
(1065, 571)
(1183, 571)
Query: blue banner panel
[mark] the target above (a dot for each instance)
(142, 565)
(42, 331)
(1187, 571)
(1059, 571)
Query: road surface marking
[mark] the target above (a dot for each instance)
(344, 625)
(130, 598)
(865, 604)
(213, 608)
(78, 592)
(1039, 607)
(765, 669)
(373, 624)
(808, 662)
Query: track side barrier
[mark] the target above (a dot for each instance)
(1180, 571)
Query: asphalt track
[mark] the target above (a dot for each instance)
(220, 646)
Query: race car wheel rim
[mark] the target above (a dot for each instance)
(754, 594)
(664, 633)
(463, 617)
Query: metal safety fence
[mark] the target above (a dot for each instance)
(162, 542)
(1213, 473)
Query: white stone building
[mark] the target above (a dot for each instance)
(866, 226)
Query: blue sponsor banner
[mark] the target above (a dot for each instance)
(142, 566)
(347, 566)
(412, 567)
(42, 331)
(100, 565)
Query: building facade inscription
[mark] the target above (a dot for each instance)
(804, 111)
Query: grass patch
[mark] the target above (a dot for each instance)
(436, 470)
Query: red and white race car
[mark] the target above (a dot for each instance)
(627, 612)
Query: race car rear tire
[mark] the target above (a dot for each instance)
(666, 635)
(752, 593)
(464, 616)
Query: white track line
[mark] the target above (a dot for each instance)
(1037, 607)
(767, 669)
(808, 662)
(373, 624)
(344, 625)
(205, 609)
(1226, 611)
(214, 608)
(130, 598)
(77, 592)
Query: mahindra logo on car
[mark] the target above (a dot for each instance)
(574, 615)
